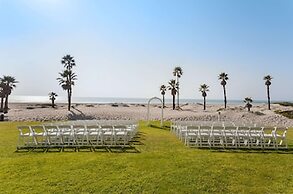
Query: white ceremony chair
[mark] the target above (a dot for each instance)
(39, 135)
(67, 135)
(256, 137)
(230, 137)
(108, 135)
(268, 137)
(95, 135)
(204, 135)
(53, 135)
(280, 137)
(120, 135)
(217, 136)
(242, 137)
(80, 135)
(191, 137)
(25, 138)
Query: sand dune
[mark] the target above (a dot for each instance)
(189, 112)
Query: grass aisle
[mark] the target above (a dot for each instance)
(163, 165)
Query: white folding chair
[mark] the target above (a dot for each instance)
(280, 137)
(120, 135)
(25, 138)
(53, 135)
(39, 135)
(217, 136)
(242, 137)
(67, 135)
(191, 137)
(255, 137)
(204, 135)
(230, 137)
(95, 135)
(108, 135)
(80, 135)
(268, 137)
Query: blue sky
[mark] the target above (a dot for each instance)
(128, 48)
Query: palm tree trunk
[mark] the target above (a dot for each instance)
(163, 101)
(225, 98)
(204, 103)
(248, 109)
(269, 98)
(2, 103)
(173, 102)
(178, 96)
(6, 104)
(69, 99)
(53, 103)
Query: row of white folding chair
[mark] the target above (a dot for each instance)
(102, 134)
(89, 135)
(97, 122)
(236, 136)
(72, 135)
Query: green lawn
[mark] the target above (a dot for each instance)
(162, 164)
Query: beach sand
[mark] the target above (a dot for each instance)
(119, 111)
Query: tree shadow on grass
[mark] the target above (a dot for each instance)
(251, 150)
(79, 116)
(101, 149)
(164, 127)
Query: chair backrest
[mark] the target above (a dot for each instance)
(91, 128)
(24, 130)
(79, 127)
(269, 130)
(231, 128)
(51, 128)
(64, 128)
(282, 131)
(193, 127)
(107, 127)
(38, 129)
(217, 127)
(206, 127)
(242, 128)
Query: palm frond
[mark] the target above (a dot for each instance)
(178, 71)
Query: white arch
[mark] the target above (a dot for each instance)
(162, 108)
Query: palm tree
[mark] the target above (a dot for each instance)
(248, 100)
(173, 86)
(178, 73)
(52, 97)
(163, 89)
(268, 82)
(204, 89)
(67, 77)
(8, 83)
(224, 77)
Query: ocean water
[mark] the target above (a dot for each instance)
(102, 100)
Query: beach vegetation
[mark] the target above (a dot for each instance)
(7, 84)
(258, 113)
(284, 103)
(52, 97)
(67, 77)
(204, 89)
(224, 77)
(268, 82)
(287, 113)
(163, 89)
(173, 87)
(177, 72)
(248, 101)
